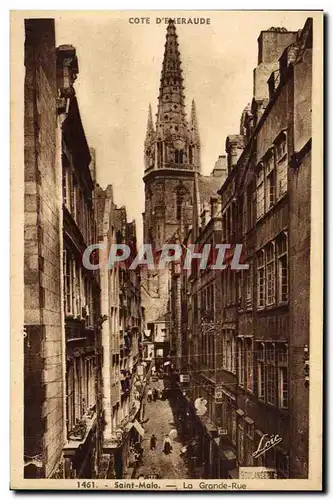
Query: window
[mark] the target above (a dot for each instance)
(65, 185)
(250, 204)
(241, 367)
(179, 202)
(270, 180)
(249, 364)
(228, 351)
(283, 387)
(191, 149)
(270, 373)
(239, 278)
(281, 165)
(261, 371)
(74, 189)
(260, 192)
(282, 359)
(282, 263)
(248, 286)
(160, 154)
(179, 156)
(70, 397)
(270, 273)
(69, 294)
(261, 279)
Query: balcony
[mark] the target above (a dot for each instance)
(79, 434)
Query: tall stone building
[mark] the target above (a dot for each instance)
(172, 159)
(43, 352)
(62, 351)
(266, 207)
(121, 308)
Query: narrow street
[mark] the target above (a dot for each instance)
(161, 422)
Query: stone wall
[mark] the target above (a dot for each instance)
(43, 392)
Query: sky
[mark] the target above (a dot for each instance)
(119, 71)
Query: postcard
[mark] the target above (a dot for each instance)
(166, 250)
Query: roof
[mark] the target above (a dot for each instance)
(208, 186)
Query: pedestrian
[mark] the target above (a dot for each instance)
(149, 395)
(167, 448)
(153, 442)
(155, 394)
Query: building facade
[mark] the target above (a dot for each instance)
(44, 392)
(121, 338)
(81, 286)
(197, 302)
(265, 329)
(62, 353)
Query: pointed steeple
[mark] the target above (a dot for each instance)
(194, 124)
(149, 145)
(171, 100)
(150, 128)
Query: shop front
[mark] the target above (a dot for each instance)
(120, 447)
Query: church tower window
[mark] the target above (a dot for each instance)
(179, 202)
(191, 154)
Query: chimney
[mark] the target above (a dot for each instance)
(67, 69)
(271, 44)
(234, 147)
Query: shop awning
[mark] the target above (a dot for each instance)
(139, 428)
(228, 454)
(233, 474)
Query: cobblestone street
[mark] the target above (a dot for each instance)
(160, 423)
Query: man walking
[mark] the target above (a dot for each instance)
(149, 395)
(153, 442)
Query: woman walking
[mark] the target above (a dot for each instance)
(167, 445)
(153, 442)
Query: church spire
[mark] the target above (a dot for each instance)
(149, 145)
(194, 124)
(150, 128)
(171, 100)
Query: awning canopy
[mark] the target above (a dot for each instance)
(139, 428)
(227, 454)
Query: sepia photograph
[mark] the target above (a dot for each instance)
(166, 263)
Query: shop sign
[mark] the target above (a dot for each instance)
(257, 473)
(222, 431)
(184, 378)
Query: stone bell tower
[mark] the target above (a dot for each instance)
(172, 159)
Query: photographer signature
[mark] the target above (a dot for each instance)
(266, 444)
